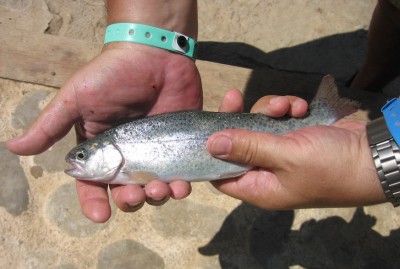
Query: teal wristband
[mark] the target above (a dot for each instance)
(152, 36)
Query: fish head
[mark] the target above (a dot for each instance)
(94, 160)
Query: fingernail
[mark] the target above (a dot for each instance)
(298, 106)
(275, 100)
(297, 103)
(221, 145)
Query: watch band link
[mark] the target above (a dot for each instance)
(386, 156)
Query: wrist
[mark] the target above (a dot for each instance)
(151, 36)
(178, 16)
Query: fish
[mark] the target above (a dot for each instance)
(172, 146)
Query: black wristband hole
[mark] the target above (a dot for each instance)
(182, 42)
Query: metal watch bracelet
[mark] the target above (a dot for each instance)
(386, 155)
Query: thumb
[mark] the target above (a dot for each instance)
(53, 123)
(248, 147)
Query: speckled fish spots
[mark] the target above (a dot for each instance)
(173, 146)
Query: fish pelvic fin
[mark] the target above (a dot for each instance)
(328, 105)
(135, 177)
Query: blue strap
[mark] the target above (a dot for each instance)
(391, 113)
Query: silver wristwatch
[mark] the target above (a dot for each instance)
(386, 154)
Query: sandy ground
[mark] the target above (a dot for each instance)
(40, 220)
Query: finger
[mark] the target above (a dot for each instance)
(298, 106)
(228, 186)
(128, 198)
(244, 187)
(157, 192)
(258, 187)
(232, 101)
(94, 201)
(53, 123)
(278, 106)
(247, 147)
(180, 189)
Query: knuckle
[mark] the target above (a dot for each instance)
(248, 151)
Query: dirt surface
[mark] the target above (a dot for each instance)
(40, 220)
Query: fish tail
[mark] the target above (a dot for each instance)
(327, 106)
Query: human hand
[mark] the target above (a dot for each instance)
(319, 166)
(125, 81)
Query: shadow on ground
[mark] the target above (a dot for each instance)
(251, 236)
(255, 236)
(298, 70)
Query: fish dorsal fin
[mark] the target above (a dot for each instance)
(327, 102)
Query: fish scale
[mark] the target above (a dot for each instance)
(172, 146)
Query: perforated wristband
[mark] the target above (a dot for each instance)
(152, 36)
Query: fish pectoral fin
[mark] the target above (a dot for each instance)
(135, 177)
(142, 177)
(231, 175)
(237, 171)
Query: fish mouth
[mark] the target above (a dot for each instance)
(75, 170)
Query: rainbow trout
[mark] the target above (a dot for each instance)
(172, 146)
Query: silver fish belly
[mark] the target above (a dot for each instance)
(172, 146)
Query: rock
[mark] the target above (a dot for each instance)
(14, 191)
(31, 15)
(187, 219)
(16, 4)
(36, 171)
(53, 160)
(28, 109)
(64, 210)
(46, 259)
(126, 254)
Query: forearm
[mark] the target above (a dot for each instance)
(382, 63)
(174, 15)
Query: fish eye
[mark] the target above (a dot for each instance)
(81, 154)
